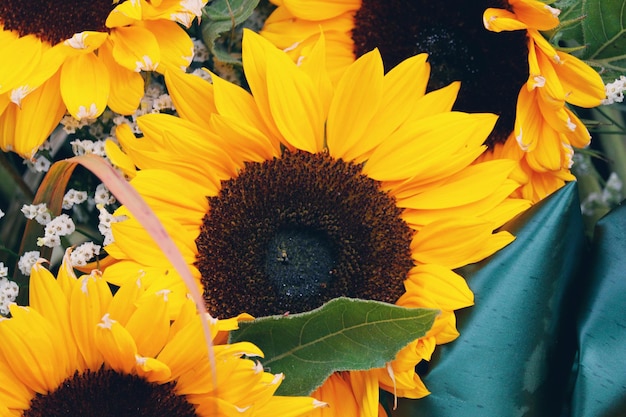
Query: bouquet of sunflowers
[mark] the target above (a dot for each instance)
(312, 208)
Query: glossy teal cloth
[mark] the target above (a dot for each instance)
(519, 343)
(600, 388)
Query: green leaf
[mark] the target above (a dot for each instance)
(601, 378)
(344, 334)
(605, 34)
(517, 343)
(220, 17)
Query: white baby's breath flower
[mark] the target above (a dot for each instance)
(615, 91)
(8, 294)
(27, 260)
(103, 196)
(83, 253)
(31, 211)
(62, 225)
(72, 197)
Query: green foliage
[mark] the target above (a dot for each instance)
(602, 31)
(344, 334)
(220, 17)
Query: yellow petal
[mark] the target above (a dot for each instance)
(456, 242)
(135, 48)
(320, 9)
(536, 14)
(448, 288)
(357, 99)
(125, 13)
(33, 349)
(472, 184)
(149, 325)
(127, 87)
(295, 104)
(40, 113)
(115, 344)
(175, 46)
(417, 146)
(234, 102)
(153, 370)
(365, 387)
(90, 300)
(192, 96)
(255, 53)
(582, 84)
(47, 297)
(499, 20)
(403, 89)
(85, 86)
(24, 55)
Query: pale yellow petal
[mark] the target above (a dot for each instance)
(85, 86)
(357, 98)
(192, 96)
(24, 54)
(39, 114)
(149, 325)
(320, 9)
(295, 104)
(135, 48)
(127, 87)
(116, 345)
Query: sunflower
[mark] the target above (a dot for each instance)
(494, 47)
(301, 192)
(81, 57)
(79, 350)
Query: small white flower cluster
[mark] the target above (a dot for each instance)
(1, 214)
(62, 225)
(71, 125)
(205, 75)
(73, 197)
(39, 212)
(8, 290)
(85, 147)
(155, 100)
(39, 163)
(27, 260)
(106, 219)
(54, 228)
(103, 196)
(615, 91)
(83, 253)
(200, 51)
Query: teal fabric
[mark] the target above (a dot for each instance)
(547, 336)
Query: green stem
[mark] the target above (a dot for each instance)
(614, 147)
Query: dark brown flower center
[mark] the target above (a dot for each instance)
(289, 234)
(54, 21)
(492, 67)
(107, 393)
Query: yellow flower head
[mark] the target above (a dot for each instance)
(82, 57)
(80, 350)
(493, 47)
(303, 191)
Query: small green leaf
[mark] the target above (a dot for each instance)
(222, 16)
(604, 31)
(344, 334)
